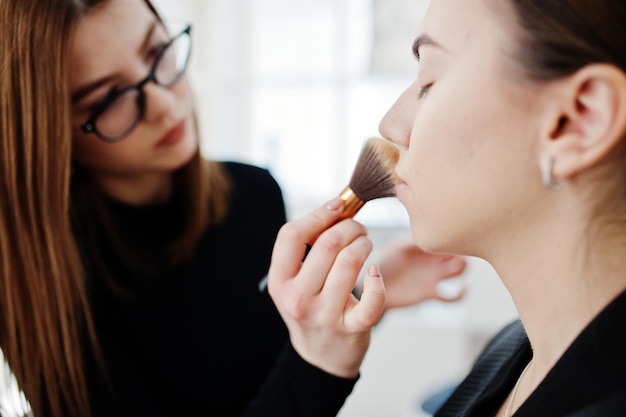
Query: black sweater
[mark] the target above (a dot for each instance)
(201, 339)
(589, 380)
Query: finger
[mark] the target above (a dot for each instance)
(337, 288)
(325, 253)
(292, 238)
(369, 310)
(452, 267)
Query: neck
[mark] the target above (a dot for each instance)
(559, 286)
(138, 190)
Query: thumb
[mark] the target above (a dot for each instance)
(371, 306)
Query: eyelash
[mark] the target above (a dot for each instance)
(423, 91)
(100, 103)
(156, 50)
(152, 54)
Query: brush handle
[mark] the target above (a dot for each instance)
(351, 203)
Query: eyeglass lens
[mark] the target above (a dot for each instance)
(123, 113)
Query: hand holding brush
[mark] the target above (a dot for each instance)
(373, 177)
(328, 326)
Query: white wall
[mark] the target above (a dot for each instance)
(296, 86)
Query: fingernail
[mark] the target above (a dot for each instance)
(334, 204)
(450, 290)
(374, 271)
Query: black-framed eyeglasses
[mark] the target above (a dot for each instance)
(120, 113)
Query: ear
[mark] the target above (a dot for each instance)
(587, 119)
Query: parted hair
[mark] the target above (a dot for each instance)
(44, 315)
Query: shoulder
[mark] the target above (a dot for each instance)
(508, 346)
(508, 340)
(254, 192)
(504, 353)
(251, 179)
(246, 176)
(612, 404)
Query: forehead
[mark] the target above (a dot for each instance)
(107, 36)
(459, 25)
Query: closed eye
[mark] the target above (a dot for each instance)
(424, 90)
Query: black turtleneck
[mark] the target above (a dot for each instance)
(200, 338)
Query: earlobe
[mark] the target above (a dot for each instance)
(591, 120)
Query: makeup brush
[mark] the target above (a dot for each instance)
(374, 176)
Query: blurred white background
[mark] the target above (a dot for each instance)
(297, 86)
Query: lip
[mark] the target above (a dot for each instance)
(174, 135)
(401, 188)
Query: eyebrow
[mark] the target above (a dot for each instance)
(83, 91)
(423, 40)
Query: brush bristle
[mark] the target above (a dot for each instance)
(374, 175)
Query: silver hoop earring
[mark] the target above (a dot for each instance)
(546, 175)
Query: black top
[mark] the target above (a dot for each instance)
(589, 380)
(201, 339)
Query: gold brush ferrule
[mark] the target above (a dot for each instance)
(351, 203)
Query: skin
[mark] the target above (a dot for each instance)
(113, 44)
(412, 275)
(328, 327)
(470, 154)
(474, 133)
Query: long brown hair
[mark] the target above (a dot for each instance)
(200, 187)
(43, 303)
(45, 319)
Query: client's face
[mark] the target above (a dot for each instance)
(465, 129)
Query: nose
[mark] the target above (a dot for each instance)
(161, 101)
(396, 125)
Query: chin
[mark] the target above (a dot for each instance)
(427, 237)
(182, 154)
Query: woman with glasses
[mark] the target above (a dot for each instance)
(175, 247)
(153, 302)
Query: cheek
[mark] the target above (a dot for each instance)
(87, 148)
(468, 131)
(462, 159)
(443, 145)
(183, 93)
(96, 155)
